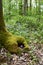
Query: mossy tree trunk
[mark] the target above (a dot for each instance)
(2, 24)
(10, 42)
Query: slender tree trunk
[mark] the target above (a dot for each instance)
(25, 7)
(30, 6)
(9, 13)
(39, 8)
(2, 24)
(39, 11)
(20, 8)
(36, 6)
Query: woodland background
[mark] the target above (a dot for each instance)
(25, 17)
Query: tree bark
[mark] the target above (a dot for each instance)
(2, 24)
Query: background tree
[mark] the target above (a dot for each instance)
(20, 7)
(9, 8)
(36, 5)
(39, 9)
(25, 7)
(30, 6)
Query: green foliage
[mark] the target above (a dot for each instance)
(27, 26)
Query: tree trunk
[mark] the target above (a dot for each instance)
(25, 7)
(39, 10)
(36, 6)
(20, 8)
(10, 42)
(9, 9)
(2, 24)
(30, 6)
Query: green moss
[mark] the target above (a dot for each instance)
(10, 42)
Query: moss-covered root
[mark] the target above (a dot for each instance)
(13, 43)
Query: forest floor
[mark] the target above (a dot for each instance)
(33, 57)
(33, 32)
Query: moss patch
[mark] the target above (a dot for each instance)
(12, 43)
